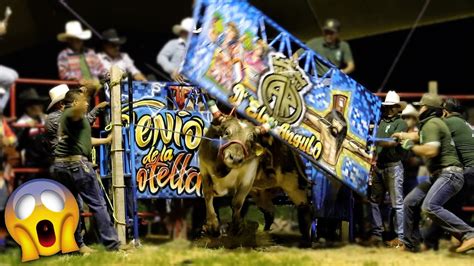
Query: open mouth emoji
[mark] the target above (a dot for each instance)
(45, 231)
(41, 216)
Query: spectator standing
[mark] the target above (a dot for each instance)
(389, 171)
(446, 178)
(411, 162)
(77, 62)
(172, 54)
(111, 54)
(73, 168)
(7, 75)
(333, 48)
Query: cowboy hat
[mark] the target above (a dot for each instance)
(57, 94)
(31, 96)
(409, 111)
(392, 98)
(112, 36)
(74, 30)
(187, 25)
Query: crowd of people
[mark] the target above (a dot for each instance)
(439, 135)
(59, 138)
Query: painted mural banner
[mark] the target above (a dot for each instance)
(166, 141)
(245, 60)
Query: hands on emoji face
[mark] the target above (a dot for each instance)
(41, 216)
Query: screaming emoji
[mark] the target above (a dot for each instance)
(41, 216)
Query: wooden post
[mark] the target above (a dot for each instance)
(433, 86)
(117, 153)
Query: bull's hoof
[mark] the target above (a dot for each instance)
(210, 230)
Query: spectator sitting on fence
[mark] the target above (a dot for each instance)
(333, 48)
(77, 62)
(7, 75)
(112, 55)
(172, 54)
(30, 129)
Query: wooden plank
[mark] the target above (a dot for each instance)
(117, 154)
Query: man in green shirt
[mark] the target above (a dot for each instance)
(389, 173)
(73, 169)
(446, 178)
(332, 48)
(463, 137)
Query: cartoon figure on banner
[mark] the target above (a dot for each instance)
(333, 129)
(227, 67)
(255, 65)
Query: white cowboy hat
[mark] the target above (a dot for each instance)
(410, 111)
(74, 30)
(57, 94)
(187, 25)
(391, 98)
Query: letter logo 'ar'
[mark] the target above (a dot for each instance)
(281, 89)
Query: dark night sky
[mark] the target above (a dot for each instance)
(442, 52)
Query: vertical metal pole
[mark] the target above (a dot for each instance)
(13, 100)
(117, 154)
(131, 141)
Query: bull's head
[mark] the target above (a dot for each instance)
(239, 139)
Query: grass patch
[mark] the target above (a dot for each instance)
(184, 253)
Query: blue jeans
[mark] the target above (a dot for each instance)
(80, 178)
(430, 197)
(388, 178)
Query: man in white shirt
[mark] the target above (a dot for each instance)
(172, 54)
(111, 55)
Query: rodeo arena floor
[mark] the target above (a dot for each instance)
(234, 132)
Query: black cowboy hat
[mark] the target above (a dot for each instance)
(112, 36)
(30, 95)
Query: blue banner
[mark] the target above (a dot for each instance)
(245, 60)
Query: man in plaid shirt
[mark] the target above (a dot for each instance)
(77, 62)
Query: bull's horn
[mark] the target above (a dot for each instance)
(265, 127)
(216, 113)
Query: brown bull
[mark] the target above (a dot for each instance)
(238, 161)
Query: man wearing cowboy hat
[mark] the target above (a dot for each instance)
(436, 146)
(76, 62)
(55, 109)
(112, 55)
(172, 54)
(389, 170)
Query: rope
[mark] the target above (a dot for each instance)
(315, 16)
(108, 199)
(404, 45)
